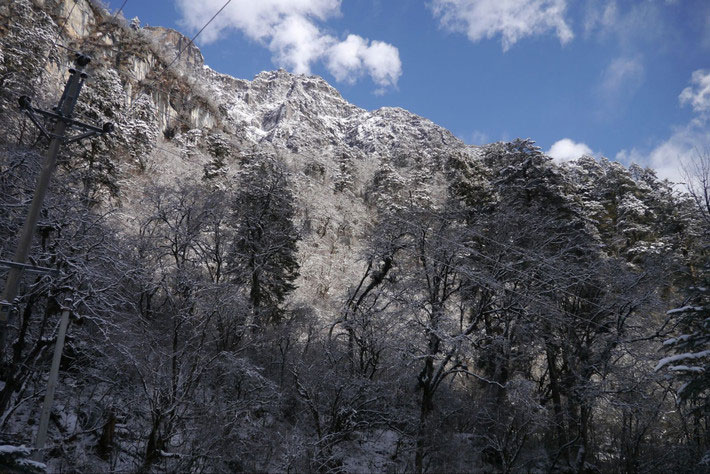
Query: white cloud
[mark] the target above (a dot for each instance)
(698, 93)
(512, 19)
(629, 25)
(666, 158)
(257, 20)
(479, 138)
(568, 150)
(291, 31)
(348, 59)
(622, 77)
(297, 43)
(628, 31)
(345, 59)
(600, 17)
(685, 141)
(382, 63)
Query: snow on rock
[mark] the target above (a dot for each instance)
(686, 368)
(674, 340)
(304, 114)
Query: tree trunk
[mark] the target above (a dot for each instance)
(427, 404)
(426, 383)
(557, 405)
(106, 440)
(154, 444)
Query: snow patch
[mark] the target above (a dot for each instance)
(674, 340)
(674, 358)
(10, 449)
(686, 368)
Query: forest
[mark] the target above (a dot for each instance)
(500, 312)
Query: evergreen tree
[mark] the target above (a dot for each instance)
(690, 361)
(264, 248)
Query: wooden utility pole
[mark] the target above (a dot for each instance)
(51, 387)
(62, 118)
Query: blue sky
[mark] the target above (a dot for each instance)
(626, 79)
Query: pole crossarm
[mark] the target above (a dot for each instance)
(29, 111)
(89, 130)
(28, 268)
(62, 122)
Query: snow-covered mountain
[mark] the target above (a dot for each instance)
(172, 110)
(305, 113)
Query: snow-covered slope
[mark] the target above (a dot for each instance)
(193, 117)
(305, 113)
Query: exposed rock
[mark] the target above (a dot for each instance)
(332, 148)
(78, 17)
(178, 45)
(305, 114)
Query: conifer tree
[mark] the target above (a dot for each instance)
(264, 248)
(690, 359)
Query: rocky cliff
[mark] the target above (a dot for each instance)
(173, 112)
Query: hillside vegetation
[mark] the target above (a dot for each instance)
(263, 277)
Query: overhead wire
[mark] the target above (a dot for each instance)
(61, 28)
(177, 57)
(66, 19)
(120, 9)
(152, 83)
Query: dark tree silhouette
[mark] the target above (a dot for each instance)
(264, 249)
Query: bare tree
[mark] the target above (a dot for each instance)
(696, 173)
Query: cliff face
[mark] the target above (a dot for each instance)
(305, 113)
(170, 120)
(291, 112)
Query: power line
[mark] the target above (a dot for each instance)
(66, 19)
(192, 40)
(177, 56)
(120, 9)
(152, 83)
(61, 28)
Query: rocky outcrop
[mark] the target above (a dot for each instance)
(178, 118)
(305, 114)
(177, 44)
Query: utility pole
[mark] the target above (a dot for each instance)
(63, 121)
(51, 385)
